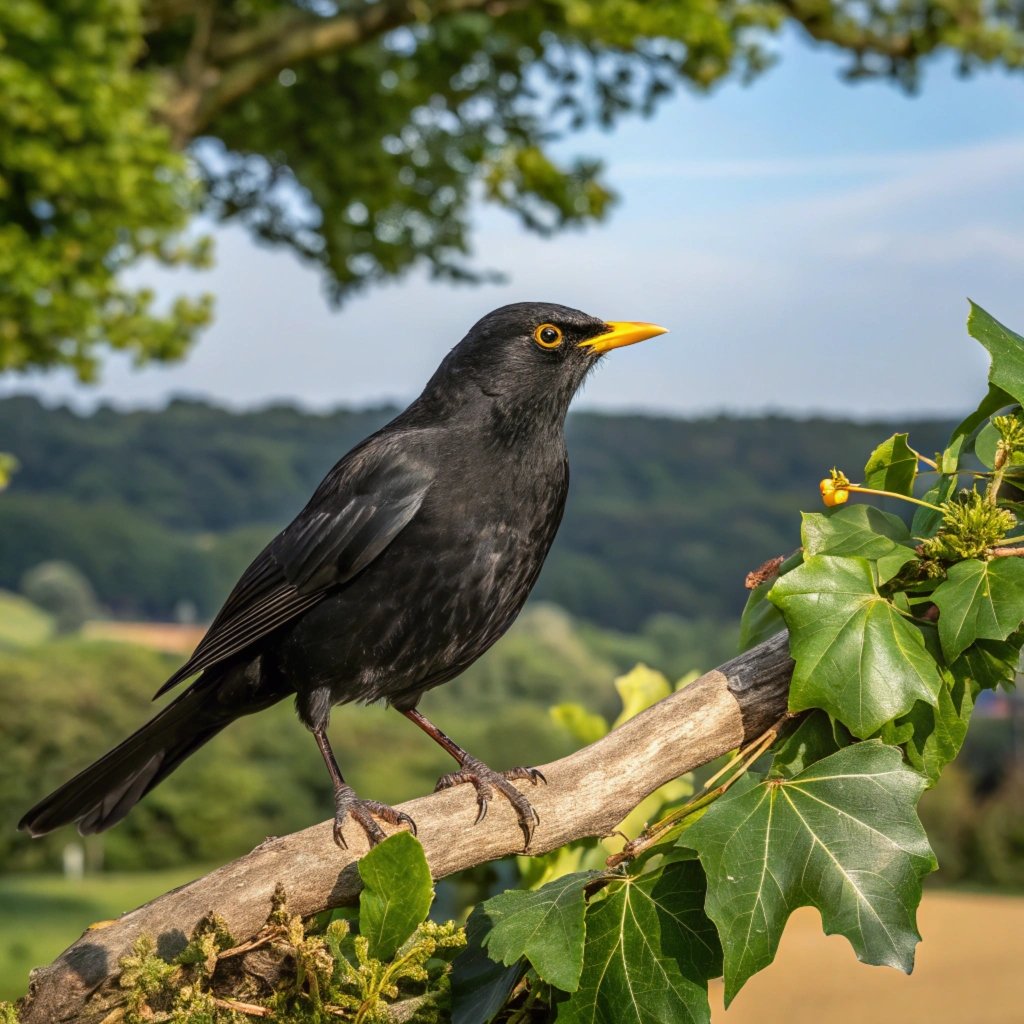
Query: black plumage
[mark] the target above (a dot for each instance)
(413, 556)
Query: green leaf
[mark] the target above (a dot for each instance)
(397, 893)
(979, 601)
(932, 737)
(649, 953)
(991, 663)
(960, 443)
(987, 443)
(860, 530)
(892, 466)
(842, 836)
(480, 987)
(761, 620)
(926, 521)
(544, 925)
(814, 737)
(856, 656)
(1004, 346)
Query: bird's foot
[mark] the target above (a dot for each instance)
(486, 780)
(365, 812)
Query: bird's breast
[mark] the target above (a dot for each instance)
(439, 596)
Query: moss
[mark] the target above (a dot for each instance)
(300, 973)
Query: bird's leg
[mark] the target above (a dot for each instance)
(346, 802)
(485, 780)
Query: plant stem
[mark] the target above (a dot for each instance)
(889, 494)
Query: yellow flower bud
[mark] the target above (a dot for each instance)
(835, 489)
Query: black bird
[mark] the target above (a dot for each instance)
(414, 555)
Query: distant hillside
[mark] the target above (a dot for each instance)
(160, 508)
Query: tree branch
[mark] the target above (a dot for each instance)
(246, 58)
(588, 794)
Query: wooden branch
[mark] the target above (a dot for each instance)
(245, 58)
(588, 794)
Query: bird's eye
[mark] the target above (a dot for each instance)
(548, 336)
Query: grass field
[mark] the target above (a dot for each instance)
(42, 914)
(968, 972)
(22, 624)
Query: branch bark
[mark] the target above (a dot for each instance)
(243, 59)
(588, 794)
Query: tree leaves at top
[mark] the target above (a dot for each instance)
(357, 134)
(892, 466)
(397, 893)
(856, 656)
(89, 186)
(1006, 348)
(842, 836)
(649, 953)
(979, 601)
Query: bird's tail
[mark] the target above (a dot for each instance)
(102, 794)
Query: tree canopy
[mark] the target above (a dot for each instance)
(357, 133)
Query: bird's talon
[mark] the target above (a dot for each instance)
(482, 812)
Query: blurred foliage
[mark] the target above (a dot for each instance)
(65, 703)
(664, 516)
(62, 592)
(22, 624)
(89, 184)
(358, 133)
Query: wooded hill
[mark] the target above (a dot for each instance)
(161, 508)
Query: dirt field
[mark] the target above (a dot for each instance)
(969, 971)
(169, 637)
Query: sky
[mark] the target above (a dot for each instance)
(810, 245)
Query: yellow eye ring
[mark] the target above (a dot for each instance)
(548, 336)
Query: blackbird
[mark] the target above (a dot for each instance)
(414, 555)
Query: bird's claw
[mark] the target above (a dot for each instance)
(365, 812)
(486, 780)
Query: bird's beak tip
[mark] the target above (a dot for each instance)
(621, 333)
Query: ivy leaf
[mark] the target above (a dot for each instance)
(544, 925)
(761, 620)
(986, 446)
(932, 737)
(815, 737)
(397, 893)
(979, 601)
(480, 987)
(892, 466)
(926, 521)
(859, 530)
(650, 951)
(991, 663)
(856, 656)
(960, 443)
(842, 836)
(1006, 348)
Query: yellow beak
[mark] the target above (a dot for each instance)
(622, 332)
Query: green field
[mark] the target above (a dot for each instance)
(42, 914)
(22, 624)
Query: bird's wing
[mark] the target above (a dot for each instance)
(362, 505)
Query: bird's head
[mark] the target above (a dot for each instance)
(530, 358)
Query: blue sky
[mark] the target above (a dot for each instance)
(809, 243)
